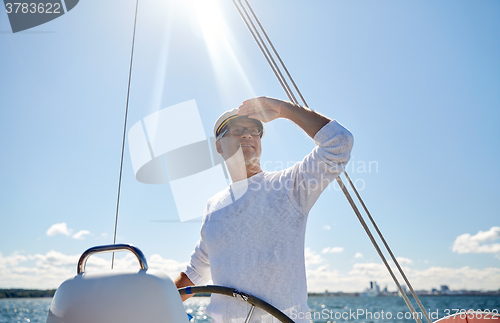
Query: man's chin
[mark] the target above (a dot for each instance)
(251, 159)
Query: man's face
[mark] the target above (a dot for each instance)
(250, 145)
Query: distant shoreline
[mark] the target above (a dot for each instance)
(420, 294)
(32, 293)
(26, 293)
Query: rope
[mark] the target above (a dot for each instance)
(388, 249)
(276, 69)
(268, 52)
(124, 135)
(363, 223)
(271, 62)
(277, 55)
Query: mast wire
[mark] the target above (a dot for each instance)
(387, 246)
(268, 52)
(372, 239)
(276, 69)
(261, 45)
(124, 133)
(277, 55)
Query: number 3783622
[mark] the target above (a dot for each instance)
(480, 314)
(25, 7)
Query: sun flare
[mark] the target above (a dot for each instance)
(211, 21)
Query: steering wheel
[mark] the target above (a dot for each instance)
(231, 292)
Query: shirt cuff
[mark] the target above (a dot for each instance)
(330, 130)
(195, 277)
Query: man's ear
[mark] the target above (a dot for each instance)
(219, 147)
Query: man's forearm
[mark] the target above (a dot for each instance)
(183, 281)
(267, 109)
(310, 121)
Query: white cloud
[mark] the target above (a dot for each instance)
(332, 250)
(370, 270)
(47, 271)
(404, 261)
(327, 227)
(312, 258)
(456, 278)
(62, 228)
(477, 243)
(321, 276)
(12, 260)
(54, 259)
(169, 266)
(127, 261)
(36, 271)
(80, 235)
(357, 279)
(59, 228)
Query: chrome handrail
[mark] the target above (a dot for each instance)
(107, 248)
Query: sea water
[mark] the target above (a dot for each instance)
(323, 309)
(22, 310)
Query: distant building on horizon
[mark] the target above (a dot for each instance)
(373, 291)
(445, 290)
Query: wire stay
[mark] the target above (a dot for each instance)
(124, 134)
(247, 19)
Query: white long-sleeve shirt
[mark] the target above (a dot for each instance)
(253, 232)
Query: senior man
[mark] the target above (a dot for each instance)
(253, 232)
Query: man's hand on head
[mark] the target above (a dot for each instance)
(263, 108)
(267, 109)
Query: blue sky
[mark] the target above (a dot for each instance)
(416, 82)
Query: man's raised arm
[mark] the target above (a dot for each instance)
(267, 109)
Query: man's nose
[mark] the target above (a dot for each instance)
(245, 131)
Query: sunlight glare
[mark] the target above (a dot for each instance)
(211, 22)
(231, 80)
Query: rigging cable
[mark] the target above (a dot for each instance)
(263, 47)
(124, 134)
(265, 51)
(387, 246)
(277, 55)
